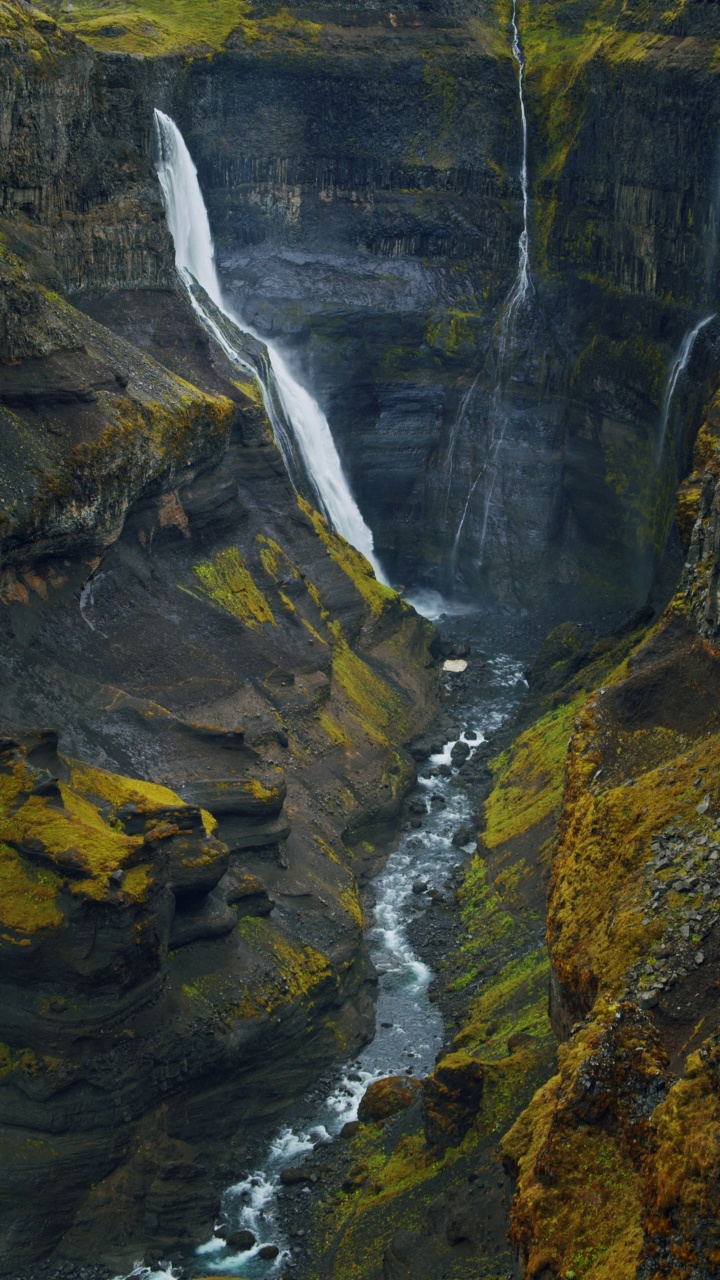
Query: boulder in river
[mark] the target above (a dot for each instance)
(455, 665)
(241, 1240)
(386, 1097)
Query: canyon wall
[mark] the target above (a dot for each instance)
(204, 695)
(362, 176)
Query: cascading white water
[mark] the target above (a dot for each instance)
(409, 1026)
(677, 368)
(305, 428)
(522, 282)
(517, 297)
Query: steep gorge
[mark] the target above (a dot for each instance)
(207, 697)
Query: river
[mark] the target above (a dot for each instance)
(408, 1028)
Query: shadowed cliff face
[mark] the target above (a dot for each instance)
(362, 177)
(232, 689)
(231, 686)
(364, 196)
(204, 696)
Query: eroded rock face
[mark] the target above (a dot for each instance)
(633, 941)
(228, 690)
(385, 265)
(382, 253)
(452, 1094)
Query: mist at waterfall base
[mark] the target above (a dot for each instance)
(305, 427)
(409, 1027)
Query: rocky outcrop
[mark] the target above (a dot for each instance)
(632, 924)
(386, 1097)
(451, 1098)
(223, 691)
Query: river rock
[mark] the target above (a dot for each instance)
(384, 1098)
(241, 1240)
(294, 1175)
(268, 1252)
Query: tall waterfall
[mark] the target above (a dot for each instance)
(677, 368)
(517, 297)
(300, 426)
(522, 281)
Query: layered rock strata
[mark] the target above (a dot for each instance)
(204, 697)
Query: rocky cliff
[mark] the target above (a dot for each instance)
(205, 695)
(362, 175)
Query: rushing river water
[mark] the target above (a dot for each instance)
(409, 1028)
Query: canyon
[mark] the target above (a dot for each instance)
(476, 246)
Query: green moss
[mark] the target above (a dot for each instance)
(115, 791)
(28, 896)
(297, 969)
(352, 562)
(78, 829)
(274, 560)
(529, 776)
(158, 27)
(442, 87)
(375, 706)
(334, 731)
(227, 581)
(252, 390)
(453, 332)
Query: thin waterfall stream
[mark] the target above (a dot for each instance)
(301, 429)
(408, 1025)
(677, 368)
(516, 299)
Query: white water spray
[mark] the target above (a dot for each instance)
(677, 368)
(522, 281)
(305, 430)
(517, 297)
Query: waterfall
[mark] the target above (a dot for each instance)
(517, 297)
(677, 368)
(301, 429)
(522, 281)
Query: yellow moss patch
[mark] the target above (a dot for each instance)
(157, 27)
(350, 901)
(274, 560)
(117, 790)
(28, 895)
(227, 581)
(596, 900)
(529, 776)
(580, 1192)
(376, 706)
(298, 970)
(327, 850)
(352, 562)
(333, 730)
(78, 828)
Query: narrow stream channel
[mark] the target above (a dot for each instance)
(408, 1028)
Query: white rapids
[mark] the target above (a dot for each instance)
(409, 1027)
(304, 419)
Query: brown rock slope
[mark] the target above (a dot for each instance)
(616, 1157)
(204, 696)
